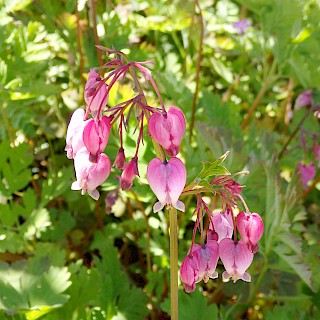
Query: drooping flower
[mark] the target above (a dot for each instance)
(236, 258)
(241, 25)
(168, 129)
(129, 172)
(304, 99)
(199, 265)
(96, 135)
(120, 159)
(189, 272)
(207, 257)
(222, 225)
(90, 174)
(167, 180)
(95, 93)
(307, 173)
(251, 228)
(74, 139)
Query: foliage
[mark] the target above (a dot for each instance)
(63, 256)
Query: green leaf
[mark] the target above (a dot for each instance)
(32, 285)
(193, 306)
(213, 168)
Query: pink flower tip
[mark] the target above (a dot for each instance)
(167, 180)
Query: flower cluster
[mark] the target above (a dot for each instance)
(87, 138)
(89, 129)
(220, 239)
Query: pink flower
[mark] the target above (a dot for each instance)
(236, 258)
(90, 174)
(129, 172)
(207, 257)
(168, 129)
(120, 160)
(189, 272)
(199, 265)
(304, 99)
(95, 93)
(96, 135)
(222, 224)
(167, 180)
(251, 228)
(307, 173)
(74, 140)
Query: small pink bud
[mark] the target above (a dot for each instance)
(307, 173)
(129, 172)
(222, 224)
(90, 174)
(236, 258)
(251, 228)
(74, 140)
(95, 93)
(167, 180)
(120, 160)
(304, 99)
(96, 135)
(168, 129)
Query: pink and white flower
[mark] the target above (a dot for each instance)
(90, 174)
(74, 139)
(236, 258)
(168, 129)
(167, 180)
(199, 265)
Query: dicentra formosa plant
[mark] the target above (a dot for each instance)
(87, 138)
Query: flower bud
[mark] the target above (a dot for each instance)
(90, 174)
(95, 93)
(250, 227)
(74, 139)
(129, 172)
(96, 135)
(120, 159)
(168, 129)
(304, 99)
(307, 173)
(167, 180)
(236, 258)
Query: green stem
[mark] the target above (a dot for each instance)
(196, 92)
(265, 85)
(173, 262)
(294, 133)
(256, 287)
